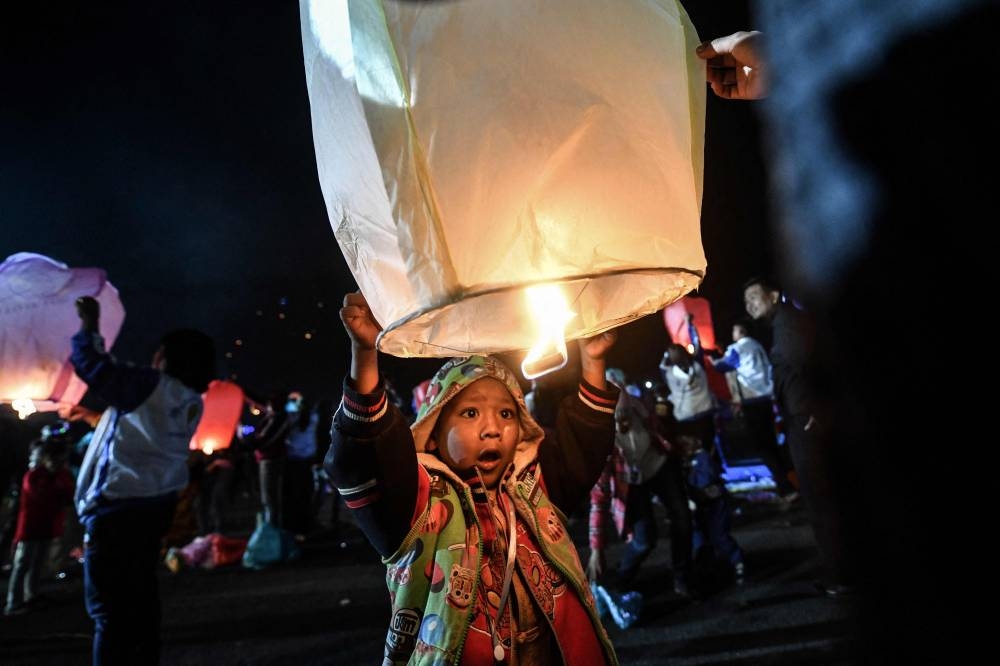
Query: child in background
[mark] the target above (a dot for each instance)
(46, 490)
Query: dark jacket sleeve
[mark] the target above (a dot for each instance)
(122, 386)
(573, 458)
(791, 360)
(372, 461)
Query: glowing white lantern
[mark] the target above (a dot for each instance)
(37, 319)
(469, 150)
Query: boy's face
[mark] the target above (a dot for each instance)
(479, 427)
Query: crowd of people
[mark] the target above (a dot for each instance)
(467, 503)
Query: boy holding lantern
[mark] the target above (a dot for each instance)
(466, 505)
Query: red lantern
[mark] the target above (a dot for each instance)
(223, 404)
(675, 319)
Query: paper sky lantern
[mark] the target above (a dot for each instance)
(469, 150)
(37, 319)
(223, 405)
(674, 319)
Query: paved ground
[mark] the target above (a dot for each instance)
(331, 607)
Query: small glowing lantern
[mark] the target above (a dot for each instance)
(37, 320)
(223, 404)
(469, 151)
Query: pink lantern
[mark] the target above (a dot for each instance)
(37, 319)
(223, 404)
(674, 319)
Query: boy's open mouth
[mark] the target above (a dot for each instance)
(489, 456)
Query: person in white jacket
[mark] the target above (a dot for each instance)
(748, 372)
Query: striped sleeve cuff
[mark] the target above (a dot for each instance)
(364, 407)
(598, 400)
(362, 494)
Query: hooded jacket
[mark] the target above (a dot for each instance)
(444, 541)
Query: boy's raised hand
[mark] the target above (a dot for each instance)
(592, 353)
(359, 322)
(363, 330)
(597, 347)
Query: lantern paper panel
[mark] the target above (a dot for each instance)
(223, 403)
(37, 320)
(470, 149)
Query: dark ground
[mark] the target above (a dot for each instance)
(330, 607)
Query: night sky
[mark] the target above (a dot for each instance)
(170, 144)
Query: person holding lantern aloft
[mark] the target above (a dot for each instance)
(694, 436)
(128, 482)
(466, 506)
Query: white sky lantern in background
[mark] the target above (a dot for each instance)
(37, 320)
(472, 149)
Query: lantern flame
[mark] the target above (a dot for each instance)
(24, 407)
(551, 314)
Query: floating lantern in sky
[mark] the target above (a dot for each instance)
(37, 319)
(223, 404)
(470, 151)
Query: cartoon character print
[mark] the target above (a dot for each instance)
(440, 514)
(461, 582)
(457, 373)
(439, 487)
(400, 572)
(549, 525)
(454, 371)
(546, 583)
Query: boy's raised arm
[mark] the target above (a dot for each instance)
(573, 460)
(122, 386)
(372, 460)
